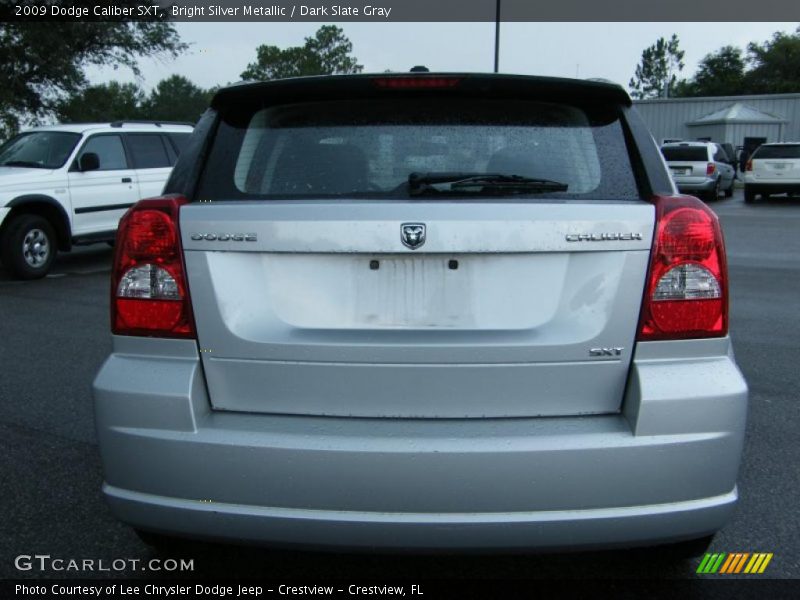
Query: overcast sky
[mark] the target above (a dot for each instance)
(219, 52)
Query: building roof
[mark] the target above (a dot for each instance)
(737, 112)
(738, 98)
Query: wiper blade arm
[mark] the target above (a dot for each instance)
(420, 183)
(498, 182)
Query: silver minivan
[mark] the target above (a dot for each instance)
(434, 311)
(701, 168)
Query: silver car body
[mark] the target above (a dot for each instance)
(690, 172)
(484, 390)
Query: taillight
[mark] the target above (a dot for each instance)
(686, 294)
(149, 295)
(710, 168)
(416, 82)
(748, 166)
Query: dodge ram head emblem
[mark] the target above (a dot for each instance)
(412, 234)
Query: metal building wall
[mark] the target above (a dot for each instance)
(667, 117)
(739, 131)
(716, 132)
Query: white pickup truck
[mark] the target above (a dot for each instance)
(69, 185)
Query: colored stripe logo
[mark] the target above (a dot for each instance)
(734, 562)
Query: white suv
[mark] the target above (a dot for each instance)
(68, 185)
(773, 169)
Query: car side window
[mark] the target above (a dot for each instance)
(171, 152)
(148, 151)
(719, 155)
(179, 140)
(109, 150)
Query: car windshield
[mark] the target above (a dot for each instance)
(685, 153)
(369, 149)
(783, 151)
(38, 149)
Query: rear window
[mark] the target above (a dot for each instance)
(785, 151)
(685, 153)
(368, 148)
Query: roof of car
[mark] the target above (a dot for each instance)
(781, 144)
(343, 86)
(117, 126)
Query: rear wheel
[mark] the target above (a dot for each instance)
(713, 195)
(28, 246)
(729, 190)
(749, 195)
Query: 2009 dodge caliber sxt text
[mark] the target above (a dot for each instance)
(421, 311)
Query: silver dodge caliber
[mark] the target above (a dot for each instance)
(421, 311)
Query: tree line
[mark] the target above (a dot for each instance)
(769, 67)
(42, 74)
(42, 70)
(178, 99)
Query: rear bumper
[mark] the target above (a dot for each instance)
(664, 469)
(607, 527)
(695, 185)
(777, 187)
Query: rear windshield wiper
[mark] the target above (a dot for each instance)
(492, 183)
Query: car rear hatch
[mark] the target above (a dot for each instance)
(686, 163)
(324, 283)
(777, 163)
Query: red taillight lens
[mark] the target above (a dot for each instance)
(149, 295)
(686, 295)
(150, 233)
(710, 168)
(416, 82)
(748, 166)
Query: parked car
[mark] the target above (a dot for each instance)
(701, 168)
(421, 311)
(68, 185)
(773, 169)
(730, 152)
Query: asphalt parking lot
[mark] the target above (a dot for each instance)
(54, 336)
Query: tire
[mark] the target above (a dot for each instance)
(749, 195)
(29, 246)
(713, 195)
(729, 191)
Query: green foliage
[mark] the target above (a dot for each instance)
(111, 101)
(656, 74)
(775, 64)
(772, 67)
(721, 73)
(326, 53)
(175, 99)
(42, 63)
